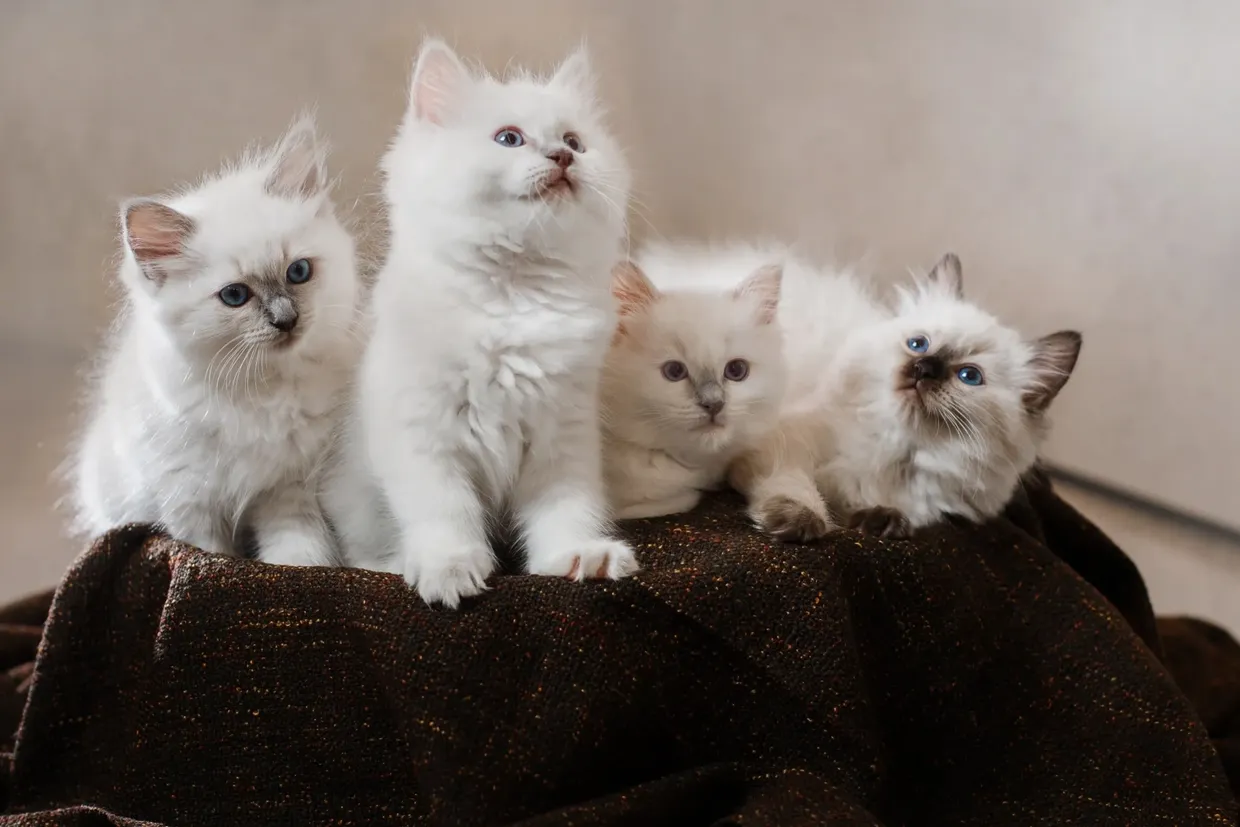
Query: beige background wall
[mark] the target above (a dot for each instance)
(1081, 157)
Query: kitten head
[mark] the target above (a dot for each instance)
(524, 164)
(694, 372)
(955, 374)
(251, 264)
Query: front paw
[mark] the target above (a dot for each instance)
(790, 521)
(881, 522)
(591, 559)
(447, 578)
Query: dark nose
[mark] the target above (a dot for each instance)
(711, 406)
(929, 367)
(563, 158)
(284, 322)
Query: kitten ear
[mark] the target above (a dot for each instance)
(576, 74)
(439, 79)
(1054, 357)
(154, 233)
(300, 162)
(631, 288)
(764, 286)
(948, 276)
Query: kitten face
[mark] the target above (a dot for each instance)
(530, 157)
(694, 373)
(251, 265)
(950, 370)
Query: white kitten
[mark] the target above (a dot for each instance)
(936, 410)
(479, 389)
(218, 401)
(816, 309)
(694, 375)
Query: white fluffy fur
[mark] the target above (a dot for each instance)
(208, 420)
(876, 447)
(478, 393)
(663, 443)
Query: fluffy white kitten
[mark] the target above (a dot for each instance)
(694, 375)
(479, 389)
(936, 409)
(219, 398)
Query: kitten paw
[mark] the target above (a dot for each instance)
(452, 577)
(790, 521)
(593, 559)
(880, 522)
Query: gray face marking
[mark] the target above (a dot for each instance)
(709, 394)
(281, 312)
(277, 298)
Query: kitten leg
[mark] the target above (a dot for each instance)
(198, 527)
(643, 482)
(444, 548)
(357, 510)
(672, 504)
(880, 522)
(783, 500)
(562, 509)
(290, 529)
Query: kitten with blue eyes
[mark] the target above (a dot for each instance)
(217, 402)
(935, 409)
(692, 378)
(478, 393)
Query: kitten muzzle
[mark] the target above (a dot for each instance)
(920, 378)
(556, 182)
(709, 397)
(927, 368)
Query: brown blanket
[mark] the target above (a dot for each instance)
(970, 677)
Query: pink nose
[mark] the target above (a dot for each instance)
(563, 158)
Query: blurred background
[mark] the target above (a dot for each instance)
(1082, 158)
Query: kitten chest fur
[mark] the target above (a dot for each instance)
(222, 443)
(922, 481)
(509, 352)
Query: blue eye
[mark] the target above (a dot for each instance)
(510, 137)
(918, 344)
(299, 271)
(674, 371)
(970, 375)
(234, 295)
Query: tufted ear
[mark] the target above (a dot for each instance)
(948, 276)
(576, 74)
(300, 162)
(764, 286)
(439, 80)
(154, 233)
(632, 288)
(1054, 358)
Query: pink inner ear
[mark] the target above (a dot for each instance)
(155, 231)
(437, 82)
(631, 288)
(764, 287)
(300, 170)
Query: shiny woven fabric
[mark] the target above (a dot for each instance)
(971, 676)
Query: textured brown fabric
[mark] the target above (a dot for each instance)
(21, 627)
(969, 677)
(1205, 661)
(1088, 551)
